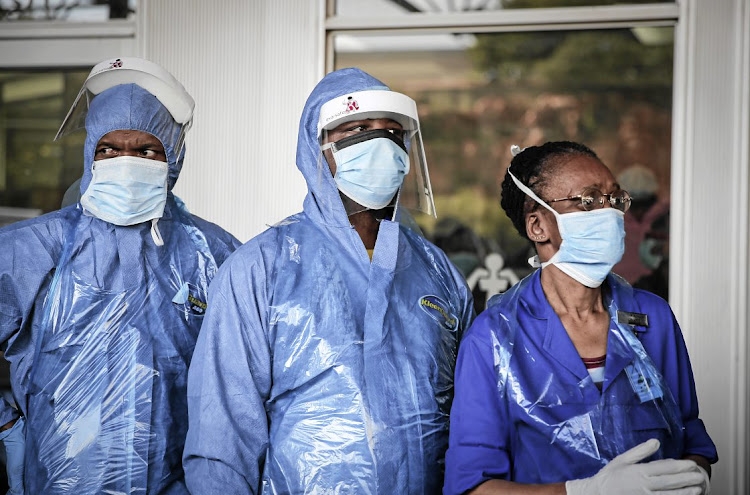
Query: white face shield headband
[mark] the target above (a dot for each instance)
(592, 241)
(149, 76)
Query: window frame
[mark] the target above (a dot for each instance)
(515, 20)
(58, 45)
(55, 44)
(560, 19)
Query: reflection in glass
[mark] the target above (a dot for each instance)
(390, 7)
(35, 171)
(67, 10)
(479, 94)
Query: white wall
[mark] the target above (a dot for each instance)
(250, 65)
(709, 266)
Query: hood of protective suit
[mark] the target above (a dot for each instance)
(323, 203)
(129, 107)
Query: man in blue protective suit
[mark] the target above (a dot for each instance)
(101, 302)
(325, 364)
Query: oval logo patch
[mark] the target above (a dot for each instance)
(190, 299)
(439, 311)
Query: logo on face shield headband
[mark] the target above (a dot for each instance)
(351, 104)
(116, 64)
(438, 310)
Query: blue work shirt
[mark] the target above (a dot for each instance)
(526, 409)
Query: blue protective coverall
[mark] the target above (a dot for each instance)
(99, 325)
(318, 371)
(526, 409)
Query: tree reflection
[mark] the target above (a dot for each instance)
(60, 10)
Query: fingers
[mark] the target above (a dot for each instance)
(668, 466)
(637, 453)
(706, 485)
(693, 490)
(690, 479)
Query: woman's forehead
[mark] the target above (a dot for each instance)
(570, 174)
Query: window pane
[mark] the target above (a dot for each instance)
(35, 171)
(67, 10)
(389, 7)
(478, 94)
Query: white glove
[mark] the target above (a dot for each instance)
(624, 476)
(706, 485)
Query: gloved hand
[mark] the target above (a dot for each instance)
(14, 443)
(623, 475)
(706, 484)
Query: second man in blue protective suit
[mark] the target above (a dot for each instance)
(325, 364)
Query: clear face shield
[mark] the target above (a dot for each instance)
(370, 141)
(148, 76)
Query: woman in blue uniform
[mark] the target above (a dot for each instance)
(573, 382)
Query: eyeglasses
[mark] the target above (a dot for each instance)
(593, 199)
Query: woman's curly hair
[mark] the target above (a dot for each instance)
(532, 166)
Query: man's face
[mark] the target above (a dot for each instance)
(129, 143)
(354, 127)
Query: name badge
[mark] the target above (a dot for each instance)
(644, 384)
(636, 319)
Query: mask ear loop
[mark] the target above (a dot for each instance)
(324, 171)
(530, 193)
(397, 204)
(534, 260)
(155, 234)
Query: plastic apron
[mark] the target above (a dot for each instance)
(361, 409)
(556, 418)
(107, 402)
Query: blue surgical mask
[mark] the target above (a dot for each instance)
(126, 190)
(592, 241)
(371, 170)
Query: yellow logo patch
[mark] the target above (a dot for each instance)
(439, 311)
